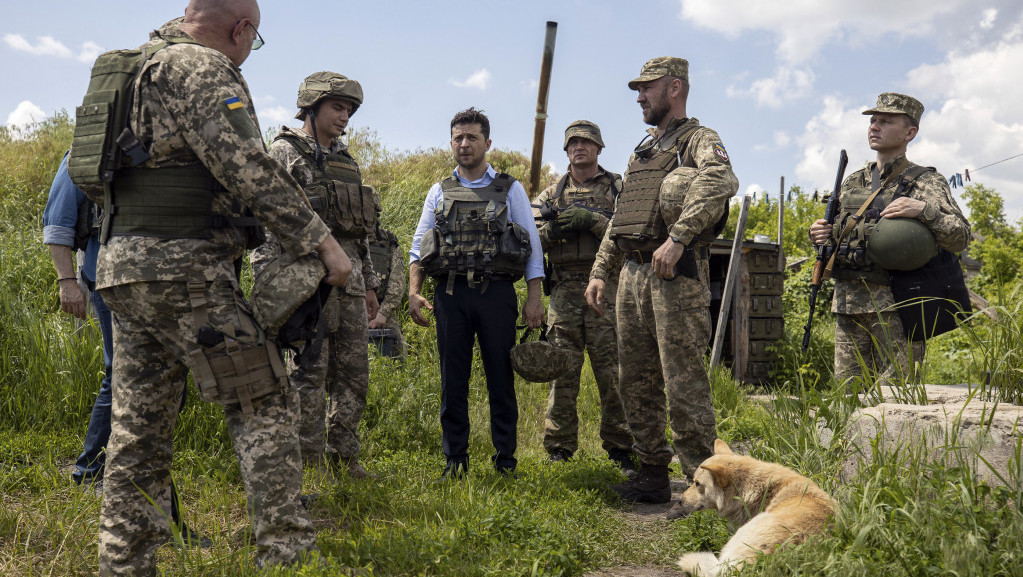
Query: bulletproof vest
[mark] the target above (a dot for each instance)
(172, 202)
(638, 223)
(380, 246)
(86, 224)
(474, 236)
(337, 193)
(578, 248)
(103, 141)
(851, 252)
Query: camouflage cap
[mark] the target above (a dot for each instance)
(583, 129)
(662, 66)
(326, 84)
(282, 286)
(895, 103)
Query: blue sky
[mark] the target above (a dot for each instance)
(783, 82)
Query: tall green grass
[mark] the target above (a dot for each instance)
(901, 513)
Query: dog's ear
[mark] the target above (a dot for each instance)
(722, 478)
(722, 448)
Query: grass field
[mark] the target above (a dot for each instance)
(900, 515)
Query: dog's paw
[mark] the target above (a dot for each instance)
(701, 564)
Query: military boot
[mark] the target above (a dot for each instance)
(623, 458)
(650, 485)
(356, 470)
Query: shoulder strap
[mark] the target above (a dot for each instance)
(560, 189)
(851, 223)
(503, 182)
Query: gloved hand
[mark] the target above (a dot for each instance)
(576, 218)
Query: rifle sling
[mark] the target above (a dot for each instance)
(851, 223)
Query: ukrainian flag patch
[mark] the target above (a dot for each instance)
(234, 103)
(719, 149)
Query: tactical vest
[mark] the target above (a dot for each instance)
(166, 202)
(172, 202)
(638, 223)
(474, 236)
(851, 252)
(578, 249)
(380, 246)
(103, 141)
(337, 193)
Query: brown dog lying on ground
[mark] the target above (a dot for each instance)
(770, 504)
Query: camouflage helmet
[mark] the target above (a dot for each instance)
(320, 85)
(282, 286)
(583, 129)
(540, 361)
(901, 244)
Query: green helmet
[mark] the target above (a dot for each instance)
(320, 85)
(540, 361)
(901, 244)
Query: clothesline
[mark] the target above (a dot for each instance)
(956, 180)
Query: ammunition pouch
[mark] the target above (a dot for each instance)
(337, 194)
(474, 237)
(233, 366)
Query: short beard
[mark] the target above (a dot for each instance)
(655, 115)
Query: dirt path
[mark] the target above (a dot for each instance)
(645, 521)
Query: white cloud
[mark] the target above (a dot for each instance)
(272, 115)
(90, 50)
(477, 80)
(988, 21)
(803, 27)
(836, 126)
(787, 84)
(49, 46)
(25, 114)
(781, 138)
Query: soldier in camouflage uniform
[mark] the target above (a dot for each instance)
(571, 241)
(868, 331)
(389, 265)
(334, 186)
(673, 201)
(176, 299)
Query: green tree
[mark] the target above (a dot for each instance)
(998, 244)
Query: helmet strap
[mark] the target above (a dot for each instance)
(318, 157)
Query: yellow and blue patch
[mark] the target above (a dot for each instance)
(719, 149)
(234, 103)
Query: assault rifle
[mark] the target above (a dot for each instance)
(824, 250)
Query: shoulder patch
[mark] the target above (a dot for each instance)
(719, 149)
(234, 103)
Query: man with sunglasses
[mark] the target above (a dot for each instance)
(672, 205)
(168, 273)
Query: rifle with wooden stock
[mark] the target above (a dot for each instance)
(824, 251)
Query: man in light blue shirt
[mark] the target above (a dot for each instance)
(475, 297)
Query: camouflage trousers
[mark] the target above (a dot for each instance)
(874, 341)
(575, 326)
(333, 391)
(663, 331)
(154, 331)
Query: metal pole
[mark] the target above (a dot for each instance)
(541, 108)
(726, 296)
(781, 226)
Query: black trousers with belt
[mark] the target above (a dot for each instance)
(468, 314)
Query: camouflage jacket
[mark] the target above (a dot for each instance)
(701, 206)
(396, 285)
(941, 215)
(186, 111)
(362, 278)
(597, 188)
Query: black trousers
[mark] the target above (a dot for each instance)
(464, 316)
